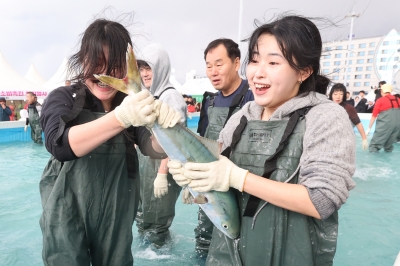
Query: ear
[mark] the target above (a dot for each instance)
(305, 73)
(236, 62)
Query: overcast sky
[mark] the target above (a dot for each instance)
(43, 32)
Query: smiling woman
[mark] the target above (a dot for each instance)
(281, 155)
(90, 186)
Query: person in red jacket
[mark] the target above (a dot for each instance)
(387, 115)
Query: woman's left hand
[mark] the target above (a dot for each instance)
(365, 144)
(218, 175)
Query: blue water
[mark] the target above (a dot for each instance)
(369, 223)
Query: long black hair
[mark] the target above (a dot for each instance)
(301, 45)
(91, 59)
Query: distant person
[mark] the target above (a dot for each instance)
(349, 100)
(222, 58)
(185, 97)
(370, 107)
(34, 111)
(67, 82)
(5, 111)
(362, 104)
(158, 190)
(13, 117)
(387, 116)
(378, 92)
(356, 101)
(337, 95)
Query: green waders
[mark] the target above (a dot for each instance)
(155, 215)
(387, 130)
(89, 204)
(273, 236)
(36, 129)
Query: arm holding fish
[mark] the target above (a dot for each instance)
(326, 167)
(161, 182)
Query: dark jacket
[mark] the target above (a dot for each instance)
(5, 113)
(362, 106)
(351, 102)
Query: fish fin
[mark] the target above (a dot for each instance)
(200, 199)
(133, 76)
(212, 145)
(118, 84)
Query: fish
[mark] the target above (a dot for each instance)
(181, 144)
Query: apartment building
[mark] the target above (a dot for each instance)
(364, 62)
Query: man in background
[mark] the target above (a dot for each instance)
(34, 110)
(5, 111)
(362, 104)
(349, 100)
(387, 115)
(222, 57)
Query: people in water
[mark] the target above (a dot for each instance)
(289, 155)
(158, 190)
(337, 94)
(34, 110)
(90, 186)
(387, 116)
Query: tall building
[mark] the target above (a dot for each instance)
(364, 63)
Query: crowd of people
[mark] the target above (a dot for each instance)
(287, 149)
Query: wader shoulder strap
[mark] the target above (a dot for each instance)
(237, 101)
(235, 137)
(270, 163)
(203, 113)
(76, 109)
(169, 88)
(396, 101)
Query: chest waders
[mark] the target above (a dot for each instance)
(270, 235)
(36, 129)
(89, 204)
(155, 215)
(217, 118)
(387, 130)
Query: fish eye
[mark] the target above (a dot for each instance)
(225, 226)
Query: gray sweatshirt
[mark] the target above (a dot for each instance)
(328, 160)
(158, 60)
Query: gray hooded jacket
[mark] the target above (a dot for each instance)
(328, 160)
(158, 60)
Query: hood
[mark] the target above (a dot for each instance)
(253, 111)
(157, 58)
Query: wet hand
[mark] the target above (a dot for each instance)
(187, 197)
(365, 144)
(160, 185)
(167, 116)
(176, 170)
(218, 175)
(136, 110)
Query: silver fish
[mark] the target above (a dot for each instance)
(183, 145)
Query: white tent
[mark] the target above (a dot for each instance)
(34, 76)
(13, 86)
(174, 82)
(197, 86)
(59, 78)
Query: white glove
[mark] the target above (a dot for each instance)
(367, 132)
(167, 116)
(365, 144)
(25, 128)
(187, 197)
(136, 110)
(219, 175)
(175, 168)
(160, 185)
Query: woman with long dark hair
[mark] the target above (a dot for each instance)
(289, 155)
(90, 186)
